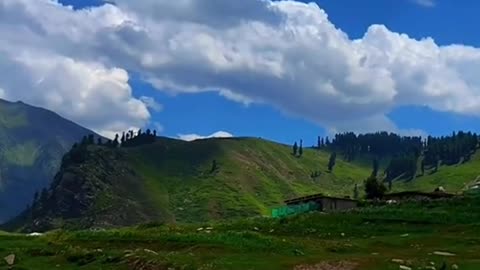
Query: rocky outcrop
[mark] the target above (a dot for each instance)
(95, 187)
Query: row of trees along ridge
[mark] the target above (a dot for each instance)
(406, 154)
(128, 139)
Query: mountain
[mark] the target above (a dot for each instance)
(32, 143)
(177, 181)
(173, 181)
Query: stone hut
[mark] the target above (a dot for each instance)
(325, 203)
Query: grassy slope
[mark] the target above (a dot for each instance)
(171, 180)
(254, 176)
(452, 178)
(366, 239)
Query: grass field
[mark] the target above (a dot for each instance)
(380, 237)
(253, 176)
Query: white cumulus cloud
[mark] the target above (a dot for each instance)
(193, 137)
(286, 54)
(151, 103)
(35, 69)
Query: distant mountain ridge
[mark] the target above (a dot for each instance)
(32, 143)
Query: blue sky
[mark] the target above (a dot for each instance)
(447, 22)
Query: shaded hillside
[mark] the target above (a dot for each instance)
(95, 187)
(177, 181)
(32, 143)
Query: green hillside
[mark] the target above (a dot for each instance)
(253, 175)
(453, 178)
(173, 181)
(32, 143)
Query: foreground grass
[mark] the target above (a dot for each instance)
(365, 239)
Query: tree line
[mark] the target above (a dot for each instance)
(128, 139)
(407, 154)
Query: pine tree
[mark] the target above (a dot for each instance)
(115, 141)
(99, 141)
(373, 188)
(214, 166)
(154, 133)
(375, 167)
(123, 139)
(295, 149)
(331, 161)
(319, 142)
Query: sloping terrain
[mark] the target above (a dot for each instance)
(453, 178)
(253, 175)
(32, 143)
(177, 181)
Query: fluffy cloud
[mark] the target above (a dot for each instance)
(151, 103)
(96, 96)
(283, 53)
(193, 137)
(36, 69)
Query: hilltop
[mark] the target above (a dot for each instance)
(32, 143)
(176, 181)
